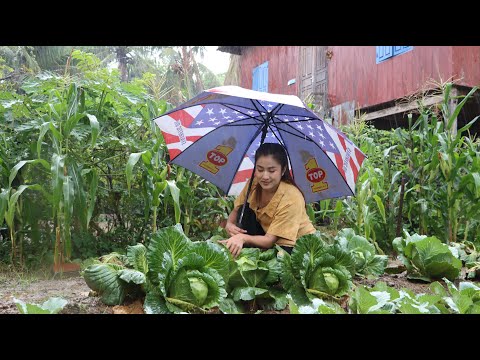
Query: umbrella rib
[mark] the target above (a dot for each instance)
(305, 137)
(304, 120)
(255, 104)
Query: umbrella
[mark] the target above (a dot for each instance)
(216, 134)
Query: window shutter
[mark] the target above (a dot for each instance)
(260, 77)
(401, 49)
(255, 79)
(263, 86)
(383, 53)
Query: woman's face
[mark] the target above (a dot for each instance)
(268, 172)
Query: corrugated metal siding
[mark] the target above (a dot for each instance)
(466, 64)
(354, 75)
(282, 67)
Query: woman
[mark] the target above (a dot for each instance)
(277, 202)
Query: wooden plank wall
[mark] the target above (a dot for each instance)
(282, 67)
(354, 75)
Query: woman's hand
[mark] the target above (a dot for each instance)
(234, 244)
(233, 229)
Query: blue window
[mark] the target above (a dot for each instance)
(260, 77)
(386, 52)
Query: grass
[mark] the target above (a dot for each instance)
(22, 276)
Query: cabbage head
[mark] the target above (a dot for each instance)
(115, 276)
(427, 258)
(367, 262)
(255, 280)
(188, 276)
(316, 270)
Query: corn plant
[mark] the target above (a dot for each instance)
(155, 182)
(439, 169)
(10, 203)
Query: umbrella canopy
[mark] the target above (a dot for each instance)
(216, 134)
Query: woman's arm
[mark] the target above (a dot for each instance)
(236, 243)
(231, 226)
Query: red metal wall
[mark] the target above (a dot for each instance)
(282, 67)
(466, 64)
(354, 75)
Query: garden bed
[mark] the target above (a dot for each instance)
(81, 300)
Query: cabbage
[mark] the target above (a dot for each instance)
(366, 260)
(427, 258)
(199, 289)
(316, 270)
(332, 282)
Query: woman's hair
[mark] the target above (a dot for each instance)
(279, 153)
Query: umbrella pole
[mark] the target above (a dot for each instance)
(264, 134)
(239, 223)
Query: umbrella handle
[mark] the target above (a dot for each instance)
(264, 133)
(239, 222)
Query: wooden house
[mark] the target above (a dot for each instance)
(379, 81)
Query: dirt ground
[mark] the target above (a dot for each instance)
(71, 287)
(81, 300)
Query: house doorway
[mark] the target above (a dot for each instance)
(313, 78)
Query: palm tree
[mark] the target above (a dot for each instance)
(20, 58)
(52, 57)
(182, 72)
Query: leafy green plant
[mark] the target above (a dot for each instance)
(317, 306)
(462, 300)
(382, 299)
(441, 165)
(187, 276)
(427, 258)
(470, 256)
(175, 274)
(113, 278)
(51, 306)
(367, 262)
(315, 269)
(254, 281)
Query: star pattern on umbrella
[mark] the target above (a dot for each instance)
(215, 115)
(268, 105)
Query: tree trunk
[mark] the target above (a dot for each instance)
(122, 59)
